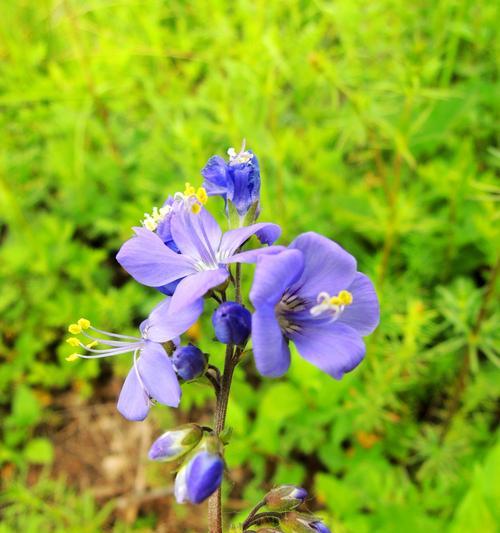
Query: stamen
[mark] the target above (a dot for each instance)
(84, 323)
(152, 220)
(242, 156)
(73, 341)
(113, 334)
(114, 346)
(333, 305)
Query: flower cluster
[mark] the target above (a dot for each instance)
(309, 294)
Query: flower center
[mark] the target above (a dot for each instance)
(289, 304)
(191, 199)
(331, 305)
(243, 156)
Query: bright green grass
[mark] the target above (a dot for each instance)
(374, 123)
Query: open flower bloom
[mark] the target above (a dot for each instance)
(152, 376)
(311, 294)
(236, 180)
(204, 253)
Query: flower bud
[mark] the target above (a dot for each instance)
(232, 323)
(302, 523)
(285, 498)
(189, 362)
(199, 478)
(175, 443)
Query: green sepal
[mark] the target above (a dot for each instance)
(251, 215)
(225, 435)
(233, 215)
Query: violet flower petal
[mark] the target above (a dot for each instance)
(133, 402)
(163, 325)
(147, 259)
(196, 235)
(328, 267)
(364, 313)
(158, 375)
(333, 347)
(274, 274)
(251, 256)
(268, 233)
(195, 286)
(271, 352)
(216, 174)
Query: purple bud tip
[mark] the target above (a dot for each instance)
(285, 498)
(320, 527)
(189, 362)
(175, 443)
(232, 323)
(163, 447)
(300, 493)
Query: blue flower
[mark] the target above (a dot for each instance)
(313, 295)
(152, 376)
(232, 323)
(236, 180)
(189, 362)
(204, 251)
(200, 478)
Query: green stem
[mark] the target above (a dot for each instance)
(231, 361)
(252, 514)
(215, 502)
(237, 283)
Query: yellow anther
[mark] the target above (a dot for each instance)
(84, 323)
(335, 300)
(75, 329)
(73, 341)
(189, 190)
(92, 344)
(345, 297)
(72, 357)
(202, 196)
(196, 208)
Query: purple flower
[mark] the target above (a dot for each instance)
(200, 478)
(311, 294)
(152, 376)
(189, 362)
(175, 443)
(204, 253)
(232, 323)
(237, 180)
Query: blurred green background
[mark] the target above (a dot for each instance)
(375, 124)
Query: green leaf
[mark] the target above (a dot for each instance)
(39, 451)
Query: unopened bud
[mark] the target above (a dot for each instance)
(302, 523)
(189, 362)
(175, 443)
(285, 498)
(199, 478)
(232, 323)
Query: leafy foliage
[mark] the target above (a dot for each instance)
(374, 124)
